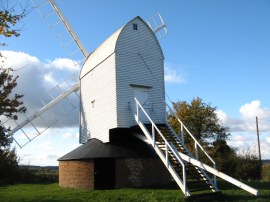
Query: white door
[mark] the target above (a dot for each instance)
(141, 94)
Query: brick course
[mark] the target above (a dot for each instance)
(129, 173)
(76, 174)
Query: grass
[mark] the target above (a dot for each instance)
(52, 192)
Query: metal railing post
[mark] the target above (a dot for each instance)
(153, 135)
(215, 177)
(182, 134)
(167, 156)
(137, 110)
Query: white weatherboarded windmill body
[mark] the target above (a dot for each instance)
(128, 64)
(122, 102)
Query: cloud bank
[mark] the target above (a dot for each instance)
(243, 129)
(248, 113)
(40, 82)
(174, 74)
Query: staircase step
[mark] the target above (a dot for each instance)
(196, 181)
(205, 196)
(200, 189)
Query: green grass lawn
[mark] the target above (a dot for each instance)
(52, 192)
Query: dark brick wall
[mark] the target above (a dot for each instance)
(141, 172)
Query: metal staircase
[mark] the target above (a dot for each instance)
(191, 175)
(196, 179)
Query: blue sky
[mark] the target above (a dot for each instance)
(216, 50)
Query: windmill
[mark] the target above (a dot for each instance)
(121, 103)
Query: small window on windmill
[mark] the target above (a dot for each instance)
(93, 103)
(135, 26)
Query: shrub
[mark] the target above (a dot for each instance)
(248, 167)
(266, 173)
(245, 166)
(38, 175)
(8, 166)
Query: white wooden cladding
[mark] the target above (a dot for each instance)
(127, 60)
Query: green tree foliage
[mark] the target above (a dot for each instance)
(10, 17)
(202, 121)
(10, 103)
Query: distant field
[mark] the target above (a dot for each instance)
(52, 192)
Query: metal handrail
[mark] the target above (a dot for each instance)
(166, 143)
(196, 144)
(190, 134)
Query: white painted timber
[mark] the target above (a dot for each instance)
(139, 61)
(100, 54)
(129, 59)
(218, 173)
(98, 102)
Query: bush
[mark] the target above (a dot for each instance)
(248, 167)
(8, 166)
(266, 173)
(243, 167)
(37, 175)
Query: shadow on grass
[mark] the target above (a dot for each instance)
(254, 184)
(230, 192)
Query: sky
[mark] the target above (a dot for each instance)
(216, 50)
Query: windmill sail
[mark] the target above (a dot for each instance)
(60, 28)
(58, 103)
(53, 106)
(158, 26)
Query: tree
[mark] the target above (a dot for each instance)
(201, 120)
(9, 19)
(10, 103)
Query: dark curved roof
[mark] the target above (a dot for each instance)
(95, 148)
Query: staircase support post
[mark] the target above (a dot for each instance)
(196, 150)
(184, 179)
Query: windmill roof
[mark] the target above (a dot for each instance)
(104, 50)
(95, 148)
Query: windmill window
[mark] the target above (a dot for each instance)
(135, 26)
(93, 103)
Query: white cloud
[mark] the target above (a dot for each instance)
(62, 64)
(173, 74)
(232, 123)
(243, 129)
(48, 147)
(49, 79)
(70, 135)
(253, 109)
(223, 117)
(265, 148)
(248, 113)
(268, 139)
(18, 60)
(37, 78)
